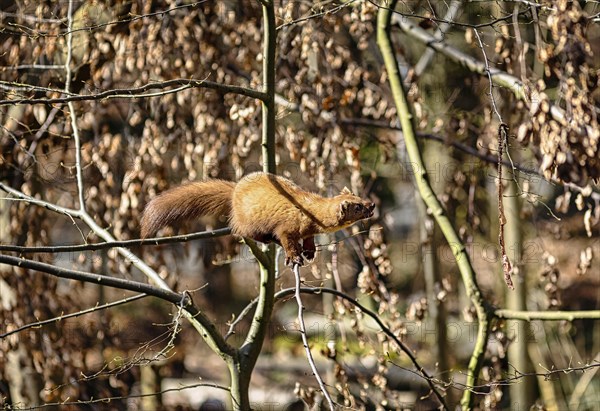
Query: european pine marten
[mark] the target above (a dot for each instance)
(261, 206)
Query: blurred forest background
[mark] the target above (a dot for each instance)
(108, 92)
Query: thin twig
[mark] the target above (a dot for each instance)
(335, 273)
(34, 67)
(75, 314)
(75, 128)
(30, 19)
(488, 72)
(332, 10)
(40, 132)
(20, 196)
(37, 33)
(302, 326)
(176, 329)
(239, 318)
(70, 212)
(108, 400)
(14, 86)
(519, 375)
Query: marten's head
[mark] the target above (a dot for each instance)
(353, 208)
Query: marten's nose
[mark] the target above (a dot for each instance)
(370, 207)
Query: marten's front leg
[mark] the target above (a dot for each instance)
(308, 245)
(293, 251)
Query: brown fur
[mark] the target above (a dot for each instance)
(261, 206)
(187, 202)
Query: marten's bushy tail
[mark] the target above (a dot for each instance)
(187, 202)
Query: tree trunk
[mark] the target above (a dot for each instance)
(521, 392)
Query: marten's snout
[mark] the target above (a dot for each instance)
(370, 208)
(356, 211)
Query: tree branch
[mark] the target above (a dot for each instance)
(101, 279)
(204, 327)
(280, 295)
(288, 292)
(401, 15)
(184, 300)
(547, 315)
(384, 18)
(259, 254)
(112, 244)
(499, 77)
(138, 92)
(443, 27)
(241, 367)
(363, 122)
(252, 346)
(470, 150)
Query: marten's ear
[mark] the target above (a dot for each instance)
(346, 190)
(343, 209)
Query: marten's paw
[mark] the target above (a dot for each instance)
(291, 261)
